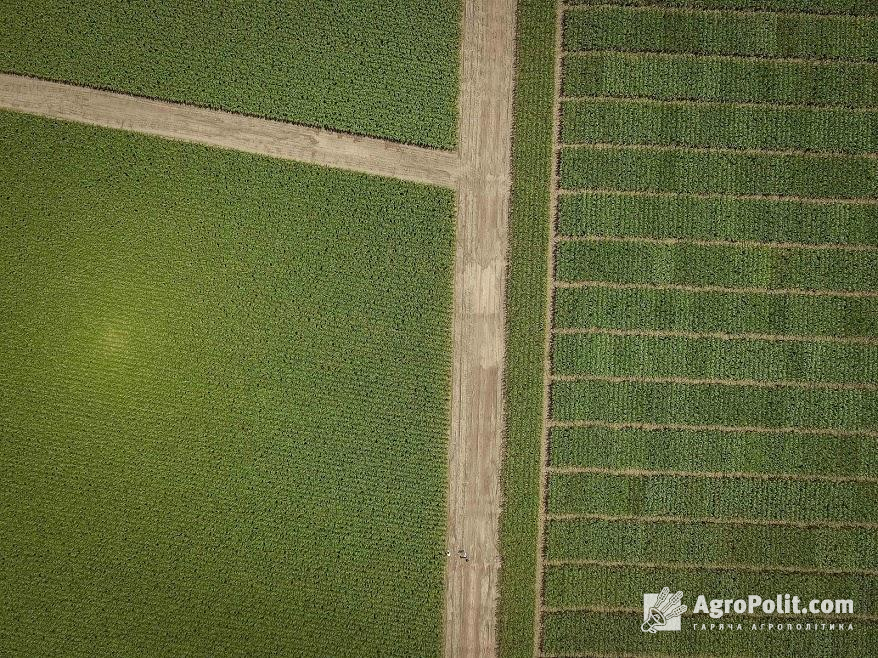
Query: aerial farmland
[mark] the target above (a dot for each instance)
(483, 328)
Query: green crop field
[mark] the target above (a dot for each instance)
(387, 68)
(706, 414)
(224, 401)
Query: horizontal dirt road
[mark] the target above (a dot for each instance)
(230, 131)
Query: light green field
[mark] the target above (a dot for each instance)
(387, 68)
(224, 399)
(714, 405)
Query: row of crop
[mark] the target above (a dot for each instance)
(746, 34)
(857, 7)
(618, 633)
(713, 358)
(729, 451)
(738, 266)
(714, 404)
(714, 498)
(716, 79)
(717, 218)
(700, 172)
(677, 310)
(526, 324)
(621, 121)
(618, 586)
(636, 540)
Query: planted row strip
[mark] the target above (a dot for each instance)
(654, 402)
(844, 7)
(715, 335)
(695, 242)
(725, 126)
(727, 266)
(717, 218)
(753, 545)
(662, 496)
(589, 633)
(711, 358)
(769, 452)
(626, 168)
(806, 292)
(646, 308)
(715, 381)
(750, 34)
(599, 585)
(687, 77)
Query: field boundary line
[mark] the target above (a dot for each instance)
(712, 475)
(713, 428)
(696, 566)
(731, 290)
(785, 619)
(227, 130)
(731, 520)
(684, 148)
(651, 654)
(863, 201)
(737, 244)
(726, 56)
(574, 7)
(696, 102)
(714, 335)
(709, 381)
(554, 180)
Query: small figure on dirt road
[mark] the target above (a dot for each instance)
(463, 554)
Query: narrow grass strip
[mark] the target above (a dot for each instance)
(626, 168)
(769, 546)
(856, 7)
(648, 402)
(578, 585)
(749, 34)
(710, 358)
(671, 496)
(676, 310)
(717, 218)
(728, 126)
(727, 266)
(526, 324)
(686, 77)
(598, 634)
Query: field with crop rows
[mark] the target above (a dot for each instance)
(224, 401)
(711, 383)
(386, 68)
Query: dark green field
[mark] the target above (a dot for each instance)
(224, 401)
(712, 400)
(387, 68)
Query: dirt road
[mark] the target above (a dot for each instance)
(475, 447)
(226, 130)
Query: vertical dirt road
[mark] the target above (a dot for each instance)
(475, 446)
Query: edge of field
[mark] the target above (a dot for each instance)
(532, 164)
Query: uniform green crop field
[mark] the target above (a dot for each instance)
(387, 68)
(711, 410)
(224, 401)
